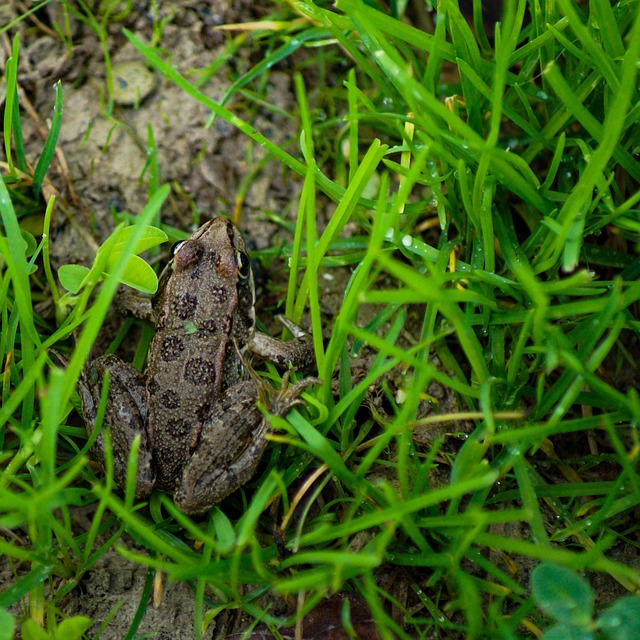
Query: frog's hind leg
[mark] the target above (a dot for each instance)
(126, 416)
(230, 448)
(232, 442)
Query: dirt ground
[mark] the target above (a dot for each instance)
(105, 157)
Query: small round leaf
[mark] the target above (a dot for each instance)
(561, 594)
(138, 274)
(151, 237)
(621, 621)
(72, 628)
(564, 631)
(7, 625)
(72, 276)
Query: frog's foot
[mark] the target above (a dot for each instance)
(279, 403)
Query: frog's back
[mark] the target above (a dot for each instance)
(205, 317)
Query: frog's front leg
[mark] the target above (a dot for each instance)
(296, 353)
(126, 416)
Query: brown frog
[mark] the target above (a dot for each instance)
(201, 432)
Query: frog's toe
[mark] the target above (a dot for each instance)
(289, 394)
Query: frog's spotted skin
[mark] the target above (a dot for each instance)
(202, 435)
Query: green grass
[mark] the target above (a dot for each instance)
(520, 154)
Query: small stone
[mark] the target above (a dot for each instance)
(132, 82)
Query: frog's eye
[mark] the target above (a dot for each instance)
(176, 246)
(244, 265)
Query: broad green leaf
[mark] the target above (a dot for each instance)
(31, 630)
(621, 621)
(151, 237)
(565, 631)
(561, 594)
(7, 625)
(32, 245)
(72, 276)
(137, 274)
(72, 628)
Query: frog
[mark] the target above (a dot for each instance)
(195, 408)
